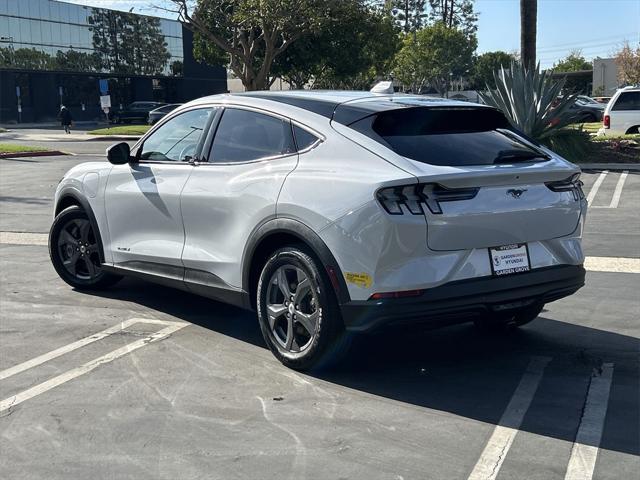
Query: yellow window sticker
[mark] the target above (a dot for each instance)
(361, 279)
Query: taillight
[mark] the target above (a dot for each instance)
(572, 184)
(606, 121)
(395, 200)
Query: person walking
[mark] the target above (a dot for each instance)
(65, 118)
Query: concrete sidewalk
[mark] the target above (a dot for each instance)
(42, 135)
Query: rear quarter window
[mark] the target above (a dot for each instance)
(449, 136)
(627, 101)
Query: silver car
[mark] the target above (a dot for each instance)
(331, 213)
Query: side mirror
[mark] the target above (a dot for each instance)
(119, 154)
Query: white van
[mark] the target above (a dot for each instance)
(622, 115)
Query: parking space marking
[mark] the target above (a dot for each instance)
(494, 453)
(615, 200)
(596, 186)
(585, 448)
(170, 327)
(34, 362)
(612, 264)
(24, 238)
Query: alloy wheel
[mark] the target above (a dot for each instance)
(292, 308)
(78, 249)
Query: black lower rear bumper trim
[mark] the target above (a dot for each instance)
(464, 300)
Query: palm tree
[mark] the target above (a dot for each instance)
(528, 26)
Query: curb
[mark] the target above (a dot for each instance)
(609, 166)
(111, 137)
(46, 153)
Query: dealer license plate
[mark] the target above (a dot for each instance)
(509, 259)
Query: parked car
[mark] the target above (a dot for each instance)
(331, 213)
(158, 113)
(604, 100)
(587, 111)
(622, 114)
(135, 112)
(583, 111)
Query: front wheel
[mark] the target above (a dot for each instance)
(298, 312)
(75, 251)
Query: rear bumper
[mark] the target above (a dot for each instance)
(462, 301)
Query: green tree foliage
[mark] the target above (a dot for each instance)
(574, 62)
(409, 15)
(433, 56)
(126, 43)
(457, 14)
(251, 34)
(484, 65)
(354, 46)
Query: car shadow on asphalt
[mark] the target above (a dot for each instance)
(457, 369)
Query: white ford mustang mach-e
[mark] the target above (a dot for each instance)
(330, 213)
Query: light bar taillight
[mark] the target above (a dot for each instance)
(572, 184)
(395, 200)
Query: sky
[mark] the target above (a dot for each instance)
(596, 27)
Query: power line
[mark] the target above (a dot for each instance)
(619, 35)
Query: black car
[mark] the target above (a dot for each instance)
(158, 113)
(586, 111)
(135, 112)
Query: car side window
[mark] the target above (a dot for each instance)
(177, 139)
(627, 101)
(304, 138)
(245, 135)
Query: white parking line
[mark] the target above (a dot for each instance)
(34, 362)
(585, 449)
(494, 453)
(615, 200)
(618, 191)
(24, 238)
(87, 367)
(596, 186)
(612, 264)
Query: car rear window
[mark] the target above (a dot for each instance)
(450, 136)
(627, 101)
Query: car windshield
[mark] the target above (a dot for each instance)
(450, 136)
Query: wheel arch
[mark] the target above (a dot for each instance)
(285, 231)
(69, 198)
(632, 130)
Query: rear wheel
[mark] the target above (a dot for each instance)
(298, 313)
(75, 251)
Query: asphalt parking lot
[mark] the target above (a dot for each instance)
(143, 382)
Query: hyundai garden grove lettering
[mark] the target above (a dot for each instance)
(330, 213)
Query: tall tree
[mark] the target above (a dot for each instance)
(455, 14)
(528, 32)
(410, 15)
(435, 55)
(356, 44)
(251, 34)
(628, 62)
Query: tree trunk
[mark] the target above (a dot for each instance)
(528, 27)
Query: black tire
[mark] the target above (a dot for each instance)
(513, 319)
(329, 342)
(75, 251)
